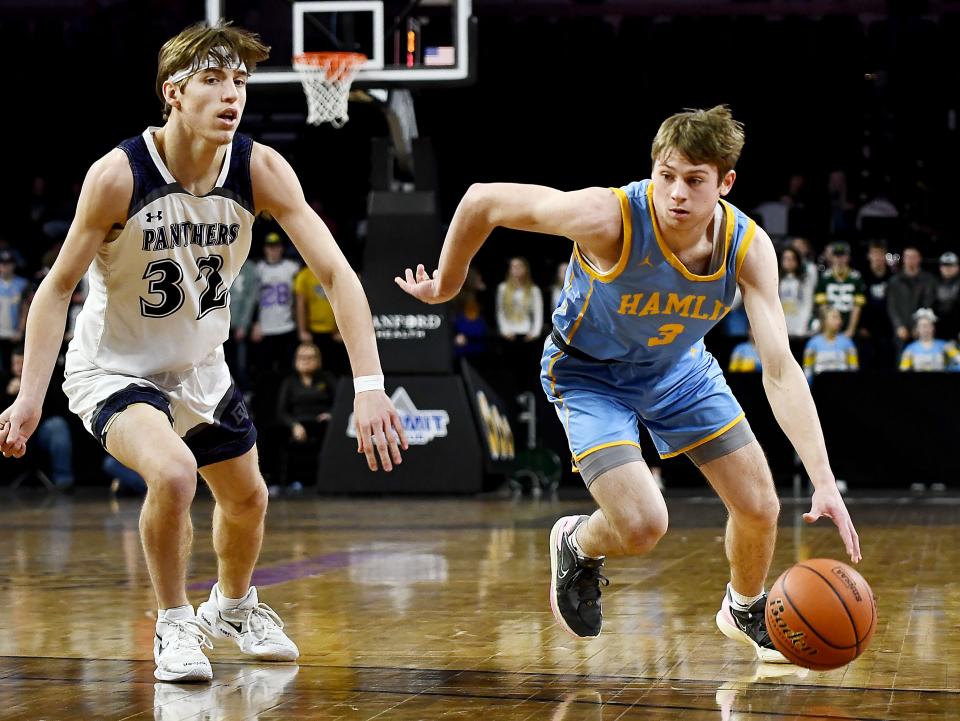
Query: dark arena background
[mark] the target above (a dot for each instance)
(423, 593)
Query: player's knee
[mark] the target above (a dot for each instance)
(254, 504)
(643, 531)
(175, 483)
(761, 510)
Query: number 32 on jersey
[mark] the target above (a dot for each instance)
(165, 278)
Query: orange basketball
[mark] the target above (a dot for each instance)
(821, 614)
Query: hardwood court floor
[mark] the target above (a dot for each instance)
(437, 609)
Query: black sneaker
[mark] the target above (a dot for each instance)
(574, 582)
(748, 627)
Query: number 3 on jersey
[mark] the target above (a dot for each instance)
(166, 275)
(668, 334)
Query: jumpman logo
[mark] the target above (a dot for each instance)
(150, 216)
(646, 261)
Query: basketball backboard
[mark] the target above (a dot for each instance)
(407, 42)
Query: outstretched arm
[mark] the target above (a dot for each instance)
(590, 217)
(103, 204)
(787, 389)
(277, 190)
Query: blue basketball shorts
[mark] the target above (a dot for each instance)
(683, 403)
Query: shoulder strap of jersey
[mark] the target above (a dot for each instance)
(146, 176)
(238, 184)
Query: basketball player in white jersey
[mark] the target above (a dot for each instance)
(163, 223)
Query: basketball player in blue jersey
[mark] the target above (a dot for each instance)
(655, 265)
(164, 223)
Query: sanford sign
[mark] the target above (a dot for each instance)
(404, 326)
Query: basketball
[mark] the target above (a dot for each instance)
(821, 614)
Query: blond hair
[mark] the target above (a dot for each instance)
(199, 41)
(702, 136)
(511, 309)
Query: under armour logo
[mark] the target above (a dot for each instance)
(150, 216)
(239, 413)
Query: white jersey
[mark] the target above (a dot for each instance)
(276, 296)
(159, 293)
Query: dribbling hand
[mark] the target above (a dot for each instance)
(827, 502)
(379, 427)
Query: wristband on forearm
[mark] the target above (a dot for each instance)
(362, 384)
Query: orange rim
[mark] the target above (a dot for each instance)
(335, 65)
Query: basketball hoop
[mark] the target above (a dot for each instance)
(326, 79)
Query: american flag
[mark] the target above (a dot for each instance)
(442, 55)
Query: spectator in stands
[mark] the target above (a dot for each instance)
(304, 404)
(947, 296)
(796, 292)
(519, 304)
(315, 321)
(799, 217)
(875, 331)
(841, 209)
(6, 246)
(275, 330)
(13, 308)
(808, 259)
(559, 281)
(53, 434)
(909, 290)
(745, 358)
(39, 202)
(842, 287)
(830, 350)
(470, 329)
(928, 353)
(244, 301)
(520, 318)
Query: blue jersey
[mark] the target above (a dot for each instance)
(822, 354)
(649, 308)
(938, 355)
(745, 359)
(12, 293)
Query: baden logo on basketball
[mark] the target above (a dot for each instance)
(797, 639)
(847, 581)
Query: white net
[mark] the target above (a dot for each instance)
(326, 79)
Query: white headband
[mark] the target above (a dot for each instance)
(211, 61)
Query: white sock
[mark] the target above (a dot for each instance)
(741, 602)
(176, 613)
(227, 604)
(576, 546)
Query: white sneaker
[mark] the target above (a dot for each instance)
(255, 627)
(178, 651)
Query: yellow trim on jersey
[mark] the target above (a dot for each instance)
(580, 456)
(553, 381)
(713, 435)
(673, 260)
(553, 390)
(745, 246)
(576, 323)
(616, 270)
